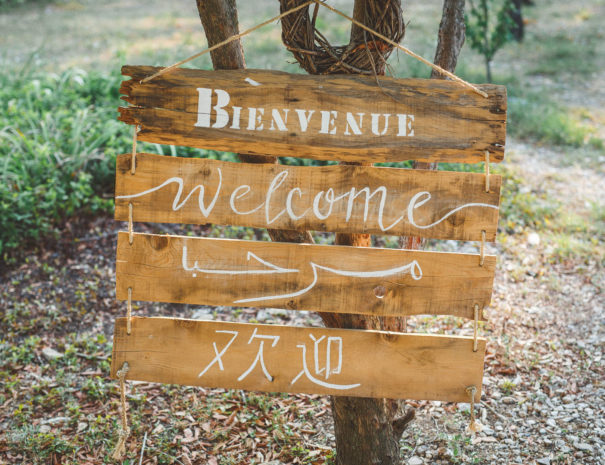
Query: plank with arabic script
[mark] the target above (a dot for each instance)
(336, 117)
(336, 279)
(435, 204)
(277, 358)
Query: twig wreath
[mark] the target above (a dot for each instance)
(364, 54)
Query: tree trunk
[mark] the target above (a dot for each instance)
(220, 21)
(367, 430)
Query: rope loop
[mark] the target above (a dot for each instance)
(474, 426)
(133, 158)
(123, 430)
(129, 312)
(486, 171)
(130, 226)
(482, 249)
(475, 326)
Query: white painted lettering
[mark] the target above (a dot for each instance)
(328, 122)
(277, 120)
(203, 107)
(277, 181)
(383, 197)
(352, 124)
(236, 117)
(330, 200)
(304, 119)
(255, 119)
(236, 195)
(375, 121)
(291, 213)
(222, 117)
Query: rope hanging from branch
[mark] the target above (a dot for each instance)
(344, 57)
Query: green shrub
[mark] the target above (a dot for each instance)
(59, 138)
(6, 5)
(55, 129)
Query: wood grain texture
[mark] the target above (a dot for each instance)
(275, 187)
(451, 123)
(372, 363)
(324, 278)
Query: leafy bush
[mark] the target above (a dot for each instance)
(59, 138)
(55, 128)
(6, 5)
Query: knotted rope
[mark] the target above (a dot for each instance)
(124, 430)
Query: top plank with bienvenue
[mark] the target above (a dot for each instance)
(337, 117)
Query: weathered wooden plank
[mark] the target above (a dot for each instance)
(295, 359)
(340, 117)
(329, 198)
(324, 278)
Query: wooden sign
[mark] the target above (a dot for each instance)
(277, 358)
(337, 117)
(435, 204)
(301, 276)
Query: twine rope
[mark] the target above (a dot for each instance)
(474, 425)
(129, 312)
(406, 50)
(130, 226)
(486, 171)
(475, 325)
(227, 41)
(133, 158)
(124, 430)
(482, 249)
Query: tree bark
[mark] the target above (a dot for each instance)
(367, 430)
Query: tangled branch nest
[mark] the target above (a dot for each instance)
(364, 54)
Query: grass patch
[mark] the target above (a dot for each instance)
(531, 116)
(568, 236)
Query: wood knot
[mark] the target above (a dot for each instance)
(158, 242)
(380, 291)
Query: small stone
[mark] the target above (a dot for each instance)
(583, 447)
(82, 426)
(415, 461)
(55, 420)
(508, 400)
(543, 461)
(552, 423)
(263, 315)
(51, 354)
(45, 428)
(203, 314)
(533, 239)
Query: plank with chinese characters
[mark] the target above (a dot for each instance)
(325, 278)
(353, 199)
(336, 117)
(277, 358)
